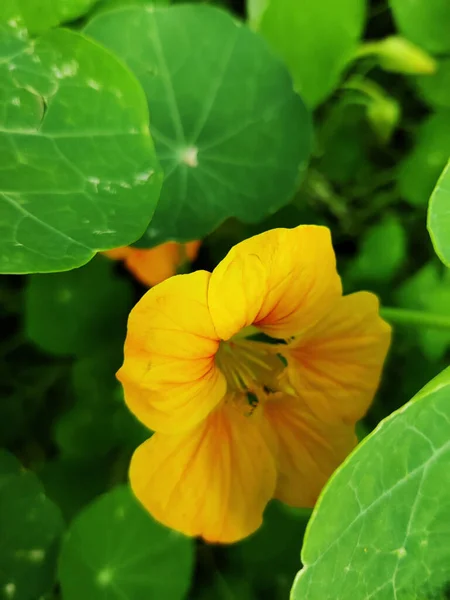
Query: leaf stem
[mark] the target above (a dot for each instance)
(402, 316)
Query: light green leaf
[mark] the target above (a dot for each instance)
(79, 173)
(439, 217)
(381, 525)
(30, 527)
(436, 88)
(425, 23)
(45, 14)
(105, 5)
(73, 312)
(230, 133)
(115, 550)
(382, 253)
(316, 38)
(421, 169)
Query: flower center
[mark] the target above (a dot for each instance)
(252, 369)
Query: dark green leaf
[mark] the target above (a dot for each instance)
(79, 173)
(230, 133)
(30, 526)
(78, 311)
(381, 525)
(115, 550)
(421, 169)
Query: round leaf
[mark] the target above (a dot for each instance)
(30, 527)
(439, 217)
(426, 23)
(79, 173)
(421, 169)
(380, 529)
(230, 132)
(115, 550)
(316, 38)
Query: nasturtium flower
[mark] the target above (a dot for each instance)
(154, 265)
(253, 377)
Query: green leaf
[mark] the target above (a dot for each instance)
(316, 38)
(72, 484)
(230, 132)
(45, 14)
(421, 169)
(435, 88)
(439, 217)
(79, 173)
(428, 290)
(115, 550)
(30, 525)
(424, 23)
(381, 525)
(105, 5)
(73, 312)
(382, 253)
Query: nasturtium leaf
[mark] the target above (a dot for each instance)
(79, 172)
(420, 170)
(230, 133)
(45, 14)
(425, 23)
(380, 528)
(78, 311)
(439, 216)
(115, 550)
(105, 5)
(382, 252)
(30, 526)
(436, 88)
(316, 38)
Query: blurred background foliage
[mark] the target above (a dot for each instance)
(381, 118)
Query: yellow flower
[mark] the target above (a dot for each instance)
(154, 265)
(240, 421)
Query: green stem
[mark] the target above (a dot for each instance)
(400, 316)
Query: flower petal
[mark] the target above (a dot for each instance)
(336, 366)
(213, 481)
(282, 281)
(169, 375)
(308, 450)
(157, 264)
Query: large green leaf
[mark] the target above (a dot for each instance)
(229, 131)
(380, 529)
(316, 38)
(115, 550)
(45, 14)
(79, 173)
(439, 217)
(79, 311)
(421, 169)
(30, 526)
(425, 22)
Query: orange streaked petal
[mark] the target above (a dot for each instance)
(213, 481)
(308, 450)
(336, 366)
(282, 281)
(169, 374)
